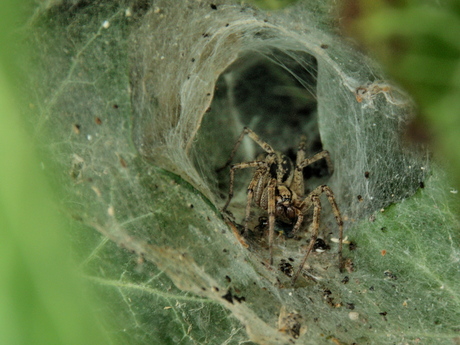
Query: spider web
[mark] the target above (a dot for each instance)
(137, 106)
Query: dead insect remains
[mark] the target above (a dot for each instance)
(277, 186)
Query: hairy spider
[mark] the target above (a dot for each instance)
(278, 187)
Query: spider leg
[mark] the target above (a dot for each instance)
(301, 151)
(338, 218)
(251, 134)
(297, 184)
(298, 223)
(271, 216)
(313, 200)
(254, 164)
(253, 184)
(314, 233)
(317, 157)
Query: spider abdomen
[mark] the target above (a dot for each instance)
(282, 168)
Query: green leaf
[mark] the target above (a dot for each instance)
(143, 196)
(41, 296)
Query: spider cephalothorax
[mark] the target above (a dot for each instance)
(278, 187)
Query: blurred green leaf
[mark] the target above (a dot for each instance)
(41, 297)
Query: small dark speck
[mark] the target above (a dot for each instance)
(225, 250)
(360, 198)
(320, 245)
(226, 25)
(286, 268)
(324, 46)
(345, 280)
(383, 229)
(422, 185)
(228, 297)
(123, 162)
(115, 106)
(191, 206)
(193, 59)
(390, 275)
(76, 128)
(352, 245)
(371, 288)
(213, 6)
(203, 288)
(228, 279)
(350, 306)
(366, 174)
(205, 35)
(291, 259)
(98, 120)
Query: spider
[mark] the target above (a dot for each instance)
(278, 187)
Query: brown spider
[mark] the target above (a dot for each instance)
(278, 187)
